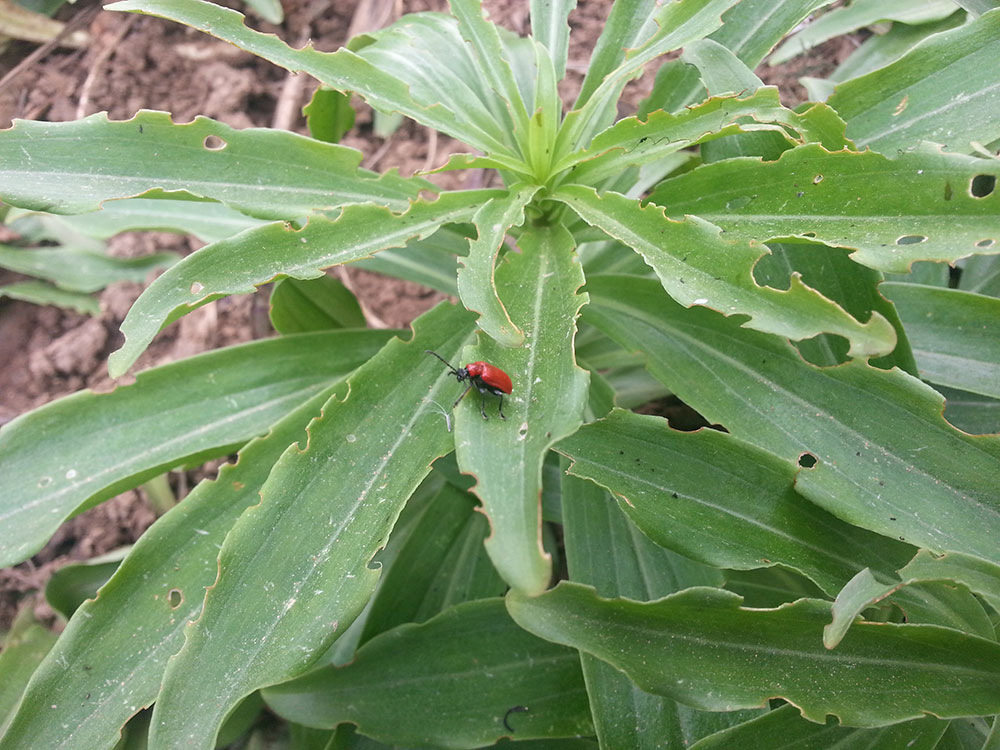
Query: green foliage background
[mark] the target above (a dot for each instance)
(824, 571)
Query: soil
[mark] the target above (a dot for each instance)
(134, 62)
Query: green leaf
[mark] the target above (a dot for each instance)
(678, 23)
(604, 549)
(492, 65)
(431, 262)
(879, 50)
(549, 26)
(767, 588)
(720, 501)
(945, 90)
(73, 584)
(633, 141)
(543, 128)
(722, 72)
(240, 721)
(23, 648)
(847, 199)
(441, 563)
(978, 415)
(978, 7)
(698, 265)
(628, 24)
(476, 272)
(319, 304)
(851, 285)
(270, 10)
(886, 460)
(981, 274)
(80, 271)
(419, 67)
(953, 335)
(32, 23)
(295, 570)
(329, 115)
(751, 28)
(784, 728)
(438, 58)
(115, 648)
(207, 221)
(40, 293)
(450, 682)
(540, 286)
(272, 174)
(858, 14)
(701, 647)
(929, 273)
(865, 589)
(156, 424)
(244, 262)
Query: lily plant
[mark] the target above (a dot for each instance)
(823, 563)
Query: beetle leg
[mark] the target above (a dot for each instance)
(482, 403)
(467, 389)
(501, 407)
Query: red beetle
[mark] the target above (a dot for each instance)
(486, 377)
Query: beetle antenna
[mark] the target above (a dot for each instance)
(428, 351)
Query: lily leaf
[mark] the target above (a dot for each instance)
(115, 648)
(676, 24)
(953, 335)
(540, 286)
(787, 723)
(944, 90)
(240, 264)
(882, 456)
(604, 549)
(295, 569)
(865, 589)
(80, 271)
(700, 647)
(699, 265)
(720, 501)
(41, 293)
(813, 194)
(434, 78)
(635, 141)
(271, 174)
(449, 682)
(475, 273)
(156, 424)
(24, 646)
(859, 14)
(206, 220)
(549, 26)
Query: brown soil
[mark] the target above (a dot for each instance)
(135, 62)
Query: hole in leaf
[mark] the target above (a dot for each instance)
(214, 143)
(986, 243)
(982, 185)
(817, 179)
(807, 460)
(197, 287)
(911, 239)
(738, 203)
(175, 598)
